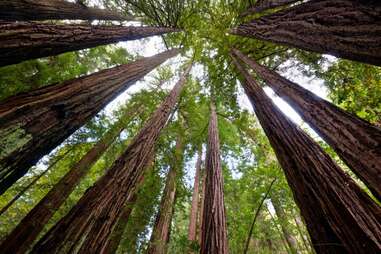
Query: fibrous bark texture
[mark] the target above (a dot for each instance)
(280, 213)
(192, 231)
(340, 217)
(53, 9)
(267, 4)
(162, 228)
(357, 142)
(34, 123)
(90, 222)
(21, 238)
(214, 230)
(20, 41)
(343, 28)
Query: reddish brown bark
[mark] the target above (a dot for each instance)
(340, 217)
(162, 228)
(42, 119)
(214, 230)
(90, 222)
(53, 9)
(263, 5)
(202, 202)
(357, 142)
(192, 231)
(21, 238)
(343, 28)
(20, 41)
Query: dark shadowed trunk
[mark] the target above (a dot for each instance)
(35, 180)
(357, 142)
(53, 9)
(282, 218)
(340, 217)
(90, 222)
(162, 228)
(34, 123)
(343, 28)
(214, 230)
(192, 230)
(22, 237)
(267, 4)
(20, 41)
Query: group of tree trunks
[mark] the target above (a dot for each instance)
(42, 119)
(340, 217)
(343, 28)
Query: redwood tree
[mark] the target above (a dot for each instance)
(340, 217)
(20, 239)
(263, 5)
(34, 123)
(192, 231)
(356, 141)
(214, 230)
(162, 229)
(53, 9)
(90, 221)
(20, 41)
(343, 28)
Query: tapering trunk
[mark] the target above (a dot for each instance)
(21, 238)
(282, 218)
(340, 217)
(356, 141)
(263, 5)
(34, 123)
(192, 231)
(53, 9)
(162, 228)
(214, 230)
(343, 28)
(117, 232)
(35, 180)
(20, 41)
(91, 220)
(202, 202)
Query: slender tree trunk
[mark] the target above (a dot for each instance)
(38, 177)
(192, 231)
(90, 222)
(340, 217)
(282, 218)
(281, 235)
(343, 28)
(53, 9)
(21, 238)
(306, 242)
(356, 141)
(263, 5)
(202, 203)
(20, 41)
(256, 215)
(214, 230)
(162, 228)
(34, 123)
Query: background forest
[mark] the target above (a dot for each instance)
(251, 173)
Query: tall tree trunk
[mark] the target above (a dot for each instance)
(263, 5)
(91, 220)
(192, 230)
(21, 238)
(214, 230)
(35, 180)
(20, 41)
(162, 228)
(306, 241)
(343, 28)
(34, 123)
(340, 217)
(356, 141)
(282, 218)
(202, 202)
(53, 9)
